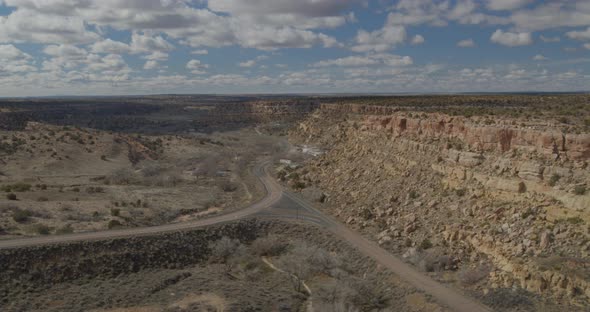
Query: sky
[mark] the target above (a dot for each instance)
(119, 47)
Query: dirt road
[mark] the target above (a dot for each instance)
(273, 195)
(279, 203)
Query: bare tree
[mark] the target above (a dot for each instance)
(270, 245)
(297, 268)
(223, 250)
(368, 294)
(333, 297)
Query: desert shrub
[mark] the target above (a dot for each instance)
(270, 245)
(94, 189)
(425, 244)
(435, 263)
(152, 171)
(580, 190)
(21, 187)
(115, 212)
(367, 295)
(295, 263)
(7, 207)
(575, 220)
(460, 192)
(42, 199)
(431, 261)
(168, 180)
(223, 249)
(554, 179)
(114, 224)
(323, 261)
(17, 187)
(122, 177)
(21, 215)
(333, 297)
(103, 157)
(281, 175)
(228, 187)
(11, 196)
(76, 190)
(507, 299)
(470, 276)
(413, 194)
(231, 253)
(40, 229)
(66, 229)
(521, 187)
(208, 167)
(299, 185)
(304, 261)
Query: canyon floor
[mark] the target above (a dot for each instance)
(475, 193)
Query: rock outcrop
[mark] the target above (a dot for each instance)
(505, 192)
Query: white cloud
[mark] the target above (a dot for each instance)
(587, 46)
(156, 46)
(466, 43)
(65, 51)
(156, 56)
(109, 64)
(249, 63)
(200, 52)
(196, 67)
(379, 40)
(579, 35)
(418, 39)
(8, 53)
(29, 26)
(440, 13)
(148, 44)
(372, 59)
(312, 8)
(500, 5)
(13, 60)
(511, 39)
(539, 57)
(553, 14)
(109, 46)
(550, 39)
(151, 64)
(271, 38)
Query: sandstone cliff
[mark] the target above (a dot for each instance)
(505, 193)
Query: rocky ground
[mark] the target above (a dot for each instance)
(63, 179)
(243, 266)
(495, 206)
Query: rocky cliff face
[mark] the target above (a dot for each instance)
(258, 111)
(500, 193)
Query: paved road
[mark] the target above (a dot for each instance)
(279, 203)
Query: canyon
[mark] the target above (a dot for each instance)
(486, 194)
(500, 202)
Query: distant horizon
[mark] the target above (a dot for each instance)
(341, 94)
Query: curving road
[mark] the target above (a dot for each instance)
(280, 203)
